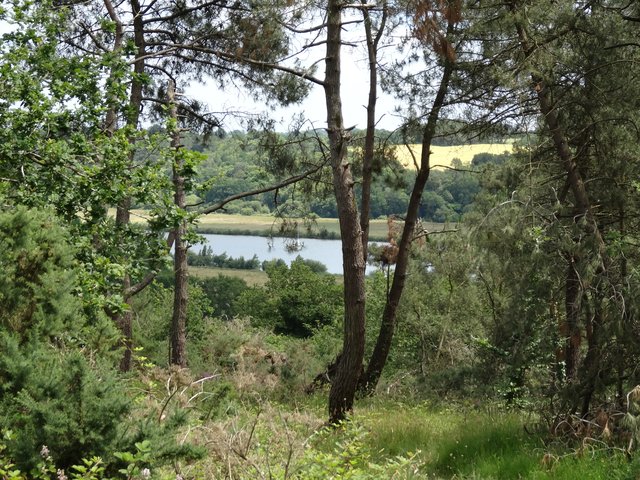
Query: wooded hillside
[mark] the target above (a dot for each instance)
(502, 342)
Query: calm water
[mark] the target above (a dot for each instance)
(329, 252)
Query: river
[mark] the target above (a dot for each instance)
(329, 252)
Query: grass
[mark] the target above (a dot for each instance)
(442, 157)
(479, 445)
(264, 224)
(267, 225)
(252, 277)
(432, 443)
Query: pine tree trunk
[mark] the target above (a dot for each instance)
(344, 384)
(583, 207)
(381, 350)
(573, 335)
(369, 140)
(178, 354)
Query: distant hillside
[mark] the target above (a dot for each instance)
(442, 157)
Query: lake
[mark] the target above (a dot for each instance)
(329, 252)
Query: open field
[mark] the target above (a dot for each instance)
(266, 225)
(252, 277)
(442, 157)
(263, 225)
(223, 223)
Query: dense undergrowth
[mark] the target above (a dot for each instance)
(242, 410)
(250, 418)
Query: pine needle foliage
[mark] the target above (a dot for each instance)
(55, 388)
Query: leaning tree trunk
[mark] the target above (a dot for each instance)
(381, 350)
(344, 384)
(571, 330)
(369, 140)
(177, 348)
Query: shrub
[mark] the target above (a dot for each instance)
(70, 407)
(295, 301)
(56, 388)
(222, 292)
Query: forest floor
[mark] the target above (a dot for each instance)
(392, 439)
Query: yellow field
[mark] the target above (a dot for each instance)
(442, 157)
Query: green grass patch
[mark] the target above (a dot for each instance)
(252, 277)
(485, 446)
(265, 225)
(268, 225)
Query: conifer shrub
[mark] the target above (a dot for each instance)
(59, 389)
(54, 388)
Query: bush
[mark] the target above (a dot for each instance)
(58, 384)
(71, 407)
(295, 301)
(206, 258)
(222, 292)
(153, 310)
(74, 405)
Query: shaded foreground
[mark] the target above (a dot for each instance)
(245, 436)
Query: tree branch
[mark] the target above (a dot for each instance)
(284, 183)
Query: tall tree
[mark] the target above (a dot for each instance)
(163, 40)
(434, 26)
(343, 386)
(571, 67)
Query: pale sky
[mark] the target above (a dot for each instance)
(355, 90)
(354, 96)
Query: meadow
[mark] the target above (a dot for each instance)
(255, 434)
(269, 225)
(251, 277)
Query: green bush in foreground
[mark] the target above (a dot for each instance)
(56, 388)
(345, 454)
(59, 389)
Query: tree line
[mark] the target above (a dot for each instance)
(235, 161)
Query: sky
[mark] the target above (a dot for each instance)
(354, 87)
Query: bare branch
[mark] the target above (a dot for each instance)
(179, 13)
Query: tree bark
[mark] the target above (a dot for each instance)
(584, 214)
(381, 350)
(565, 155)
(125, 319)
(369, 140)
(178, 353)
(344, 385)
(571, 330)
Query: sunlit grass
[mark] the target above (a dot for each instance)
(223, 223)
(252, 277)
(268, 225)
(478, 445)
